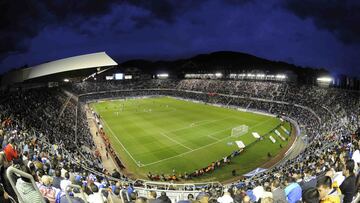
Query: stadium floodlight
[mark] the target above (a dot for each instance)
(325, 79)
(250, 75)
(280, 76)
(162, 75)
(128, 77)
(242, 75)
(260, 75)
(218, 75)
(66, 80)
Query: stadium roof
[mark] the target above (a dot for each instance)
(100, 59)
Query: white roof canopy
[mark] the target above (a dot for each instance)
(100, 59)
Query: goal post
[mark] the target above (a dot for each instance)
(239, 130)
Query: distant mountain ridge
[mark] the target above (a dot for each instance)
(228, 61)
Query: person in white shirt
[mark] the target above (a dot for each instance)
(64, 183)
(96, 196)
(226, 198)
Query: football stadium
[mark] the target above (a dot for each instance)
(135, 102)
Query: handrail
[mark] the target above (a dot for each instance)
(100, 192)
(121, 196)
(146, 183)
(10, 197)
(74, 186)
(12, 170)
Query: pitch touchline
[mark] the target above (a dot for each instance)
(219, 140)
(121, 143)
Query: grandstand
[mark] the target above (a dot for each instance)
(55, 148)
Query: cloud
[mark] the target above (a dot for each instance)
(22, 20)
(342, 18)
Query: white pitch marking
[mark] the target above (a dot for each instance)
(177, 142)
(162, 160)
(136, 162)
(197, 122)
(204, 123)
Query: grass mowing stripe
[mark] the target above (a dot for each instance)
(108, 127)
(179, 143)
(202, 146)
(204, 129)
(198, 125)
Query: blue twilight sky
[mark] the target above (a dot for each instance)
(321, 33)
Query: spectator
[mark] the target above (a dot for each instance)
(47, 190)
(311, 195)
(152, 196)
(203, 197)
(278, 193)
(347, 187)
(309, 180)
(163, 198)
(26, 190)
(95, 196)
(293, 190)
(226, 198)
(10, 151)
(57, 179)
(327, 193)
(114, 196)
(65, 182)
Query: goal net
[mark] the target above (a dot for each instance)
(239, 130)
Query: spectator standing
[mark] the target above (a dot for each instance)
(293, 190)
(226, 198)
(347, 187)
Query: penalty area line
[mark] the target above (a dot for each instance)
(177, 142)
(219, 140)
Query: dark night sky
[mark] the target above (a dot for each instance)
(304, 32)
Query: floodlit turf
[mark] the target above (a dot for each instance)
(161, 134)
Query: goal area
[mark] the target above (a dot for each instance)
(239, 130)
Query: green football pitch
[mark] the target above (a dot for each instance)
(163, 134)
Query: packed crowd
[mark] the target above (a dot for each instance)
(197, 173)
(42, 136)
